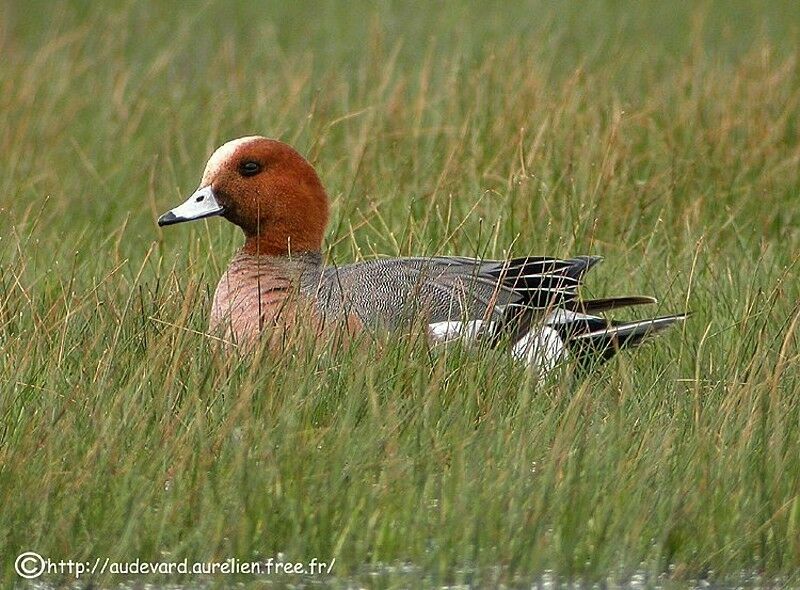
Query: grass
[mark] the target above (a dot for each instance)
(664, 137)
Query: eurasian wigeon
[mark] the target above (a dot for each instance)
(273, 194)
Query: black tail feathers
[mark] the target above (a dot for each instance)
(593, 340)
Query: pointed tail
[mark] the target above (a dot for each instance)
(594, 340)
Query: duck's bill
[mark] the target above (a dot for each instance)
(203, 203)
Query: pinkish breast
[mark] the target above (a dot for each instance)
(255, 293)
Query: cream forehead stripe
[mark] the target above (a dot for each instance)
(222, 155)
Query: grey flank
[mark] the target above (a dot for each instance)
(385, 293)
(511, 298)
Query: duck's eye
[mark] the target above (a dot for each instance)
(250, 168)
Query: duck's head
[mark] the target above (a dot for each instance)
(266, 188)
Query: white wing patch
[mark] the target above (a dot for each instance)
(542, 348)
(449, 331)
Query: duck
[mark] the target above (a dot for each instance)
(277, 280)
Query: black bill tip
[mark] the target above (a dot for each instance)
(169, 218)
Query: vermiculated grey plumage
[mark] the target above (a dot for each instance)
(508, 299)
(387, 293)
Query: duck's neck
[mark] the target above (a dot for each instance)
(263, 267)
(255, 289)
(283, 241)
